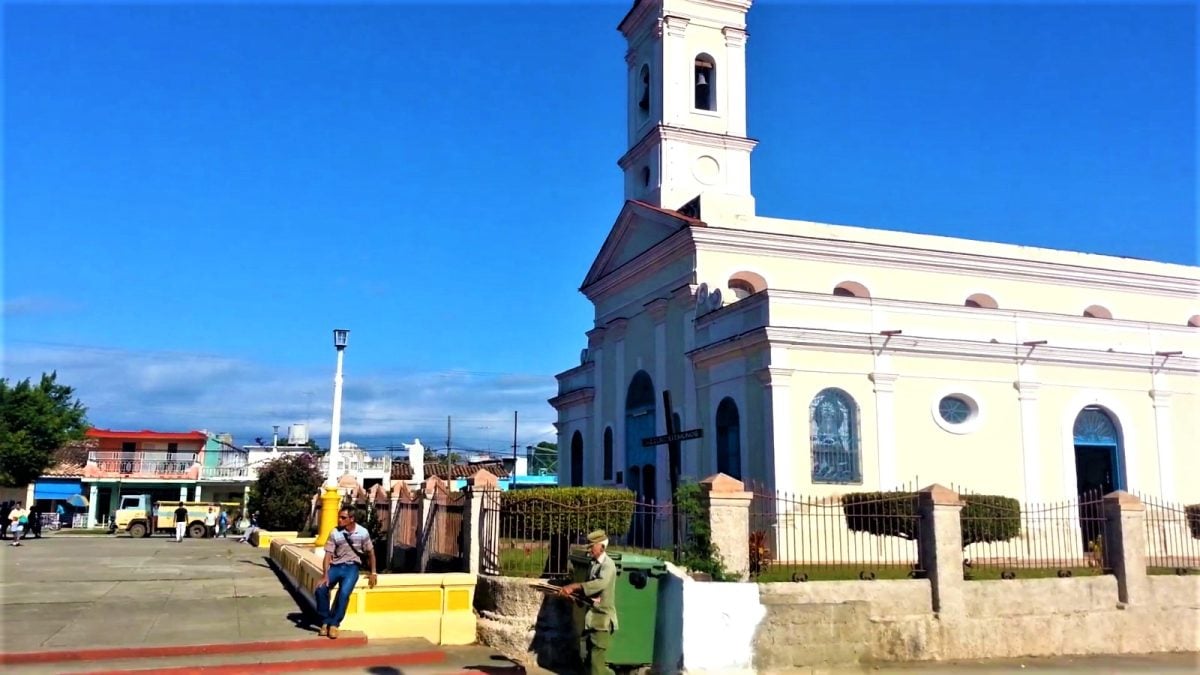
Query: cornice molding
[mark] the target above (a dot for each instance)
(884, 382)
(675, 26)
(774, 377)
(616, 328)
(975, 265)
(572, 398)
(660, 132)
(676, 246)
(1161, 398)
(657, 309)
(852, 342)
(735, 37)
(595, 337)
(685, 296)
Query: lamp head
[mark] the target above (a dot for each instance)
(340, 337)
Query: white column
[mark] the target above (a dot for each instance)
(619, 391)
(1027, 395)
(658, 313)
(885, 428)
(93, 495)
(733, 91)
(596, 353)
(183, 493)
(777, 396)
(197, 493)
(1166, 443)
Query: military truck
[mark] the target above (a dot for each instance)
(136, 516)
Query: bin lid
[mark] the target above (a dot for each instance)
(633, 561)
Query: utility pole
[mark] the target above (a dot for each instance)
(448, 462)
(512, 476)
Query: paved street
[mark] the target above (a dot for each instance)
(72, 592)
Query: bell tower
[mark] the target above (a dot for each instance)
(687, 107)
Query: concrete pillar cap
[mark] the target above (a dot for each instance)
(1125, 500)
(483, 479)
(720, 482)
(940, 495)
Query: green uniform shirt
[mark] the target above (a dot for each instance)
(601, 585)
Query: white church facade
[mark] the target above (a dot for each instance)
(823, 359)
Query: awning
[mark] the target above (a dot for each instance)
(56, 489)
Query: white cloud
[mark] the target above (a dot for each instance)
(181, 391)
(37, 304)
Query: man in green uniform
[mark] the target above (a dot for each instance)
(600, 620)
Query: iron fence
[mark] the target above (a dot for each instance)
(1004, 539)
(1172, 537)
(796, 538)
(534, 537)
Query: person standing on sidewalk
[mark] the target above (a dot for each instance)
(345, 551)
(181, 516)
(222, 523)
(210, 522)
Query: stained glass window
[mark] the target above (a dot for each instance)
(1093, 426)
(954, 410)
(833, 424)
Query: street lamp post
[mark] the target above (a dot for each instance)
(331, 501)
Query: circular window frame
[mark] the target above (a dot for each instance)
(967, 426)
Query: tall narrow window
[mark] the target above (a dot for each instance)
(644, 93)
(608, 453)
(729, 439)
(577, 459)
(833, 425)
(705, 83)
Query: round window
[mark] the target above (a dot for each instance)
(955, 409)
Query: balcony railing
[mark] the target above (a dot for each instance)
(145, 463)
(244, 471)
(383, 464)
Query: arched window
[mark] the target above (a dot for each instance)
(1194, 321)
(608, 453)
(645, 175)
(982, 300)
(644, 95)
(729, 443)
(1099, 455)
(745, 284)
(577, 459)
(1097, 312)
(639, 425)
(706, 83)
(851, 289)
(833, 425)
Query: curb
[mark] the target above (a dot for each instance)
(114, 653)
(426, 657)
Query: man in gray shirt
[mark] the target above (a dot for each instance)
(348, 548)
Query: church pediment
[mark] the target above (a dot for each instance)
(639, 228)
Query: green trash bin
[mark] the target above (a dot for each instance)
(637, 606)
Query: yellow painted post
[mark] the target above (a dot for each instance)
(331, 501)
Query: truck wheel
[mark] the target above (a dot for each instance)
(137, 530)
(197, 530)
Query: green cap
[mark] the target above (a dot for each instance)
(597, 537)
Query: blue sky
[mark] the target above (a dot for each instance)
(196, 194)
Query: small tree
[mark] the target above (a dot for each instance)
(282, 495)
(35, 421)
(696, 549)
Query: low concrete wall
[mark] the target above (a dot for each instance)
(837, 623)
(523, 624)
(436, 607)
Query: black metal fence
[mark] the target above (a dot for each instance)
(1172, 537)
(1004, 539)
(533, 537)
(795, 538)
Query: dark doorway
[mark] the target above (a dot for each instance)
(1098, 469)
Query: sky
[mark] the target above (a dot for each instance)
(195, 195)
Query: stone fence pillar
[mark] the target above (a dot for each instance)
(1124, 545)
(728, 506)
(482, 523)
(940, 547)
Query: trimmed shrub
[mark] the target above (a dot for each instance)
(1193, 519)
(697, 552)
(891, 514)
(990, 518)
(539, 512)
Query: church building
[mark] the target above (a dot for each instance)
(823, 359)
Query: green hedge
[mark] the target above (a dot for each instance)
(539, 512)
(1193, 519)
(984, 518)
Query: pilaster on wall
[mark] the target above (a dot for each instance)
(885, 427)
(1125, 545)
(1165, 442)
(778, 424)
(940, 547)
(728, 506)
(1027, 395)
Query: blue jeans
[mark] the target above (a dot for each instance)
(344, 576)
